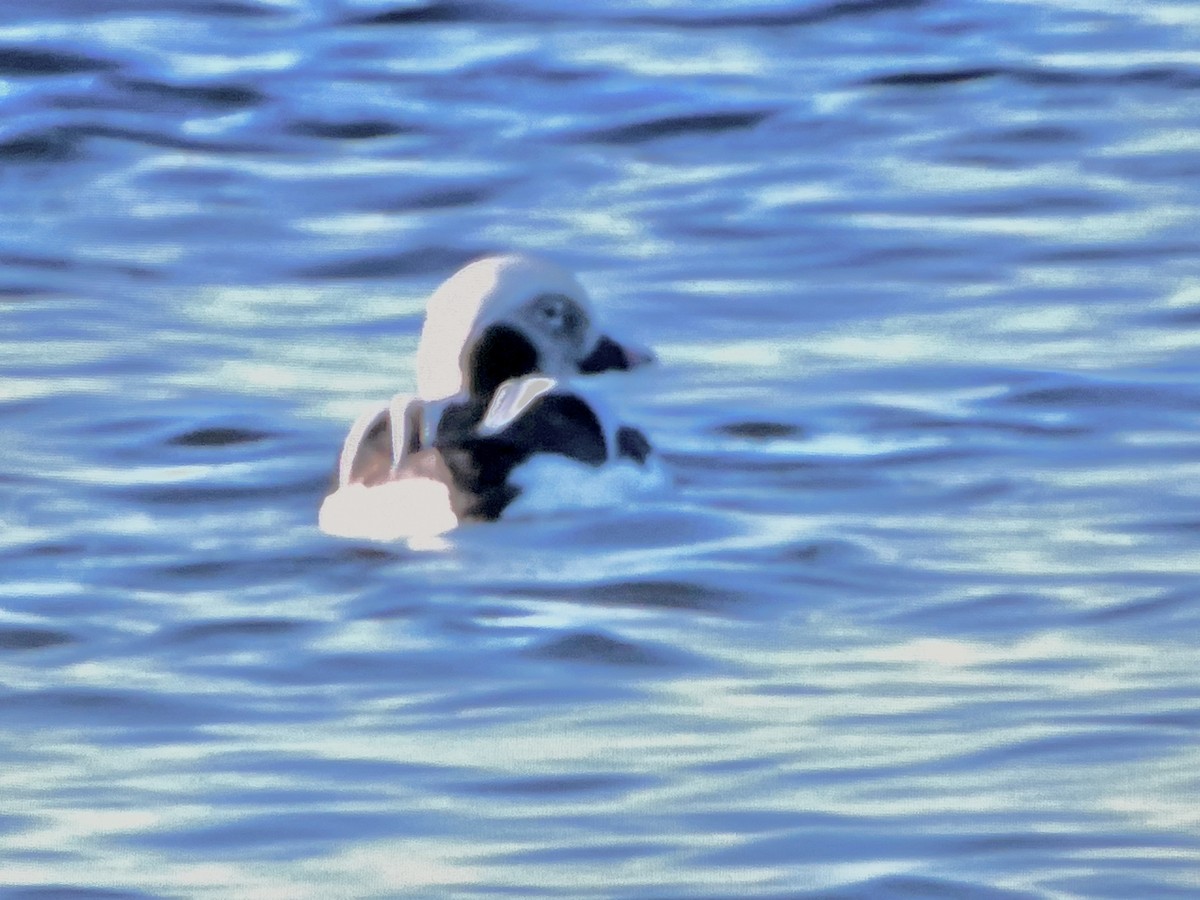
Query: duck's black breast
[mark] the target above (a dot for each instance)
(481, 465)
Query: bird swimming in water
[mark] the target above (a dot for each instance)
(495, 410)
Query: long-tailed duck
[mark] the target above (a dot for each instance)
(502, 338)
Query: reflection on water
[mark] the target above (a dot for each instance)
(918, 615)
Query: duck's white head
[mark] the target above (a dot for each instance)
(505, 316)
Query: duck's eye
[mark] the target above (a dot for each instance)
(558, 315)
(550, 309)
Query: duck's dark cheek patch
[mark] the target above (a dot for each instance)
(501, 353)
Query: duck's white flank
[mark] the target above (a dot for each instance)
(392, 511)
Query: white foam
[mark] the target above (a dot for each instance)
(556, 483)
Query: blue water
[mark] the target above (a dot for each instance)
(919, 617)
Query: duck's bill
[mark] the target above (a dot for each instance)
(608, 356)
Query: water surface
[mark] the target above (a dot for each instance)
(918, 619)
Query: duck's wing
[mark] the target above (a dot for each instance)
(380, 440)
(512, 400)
